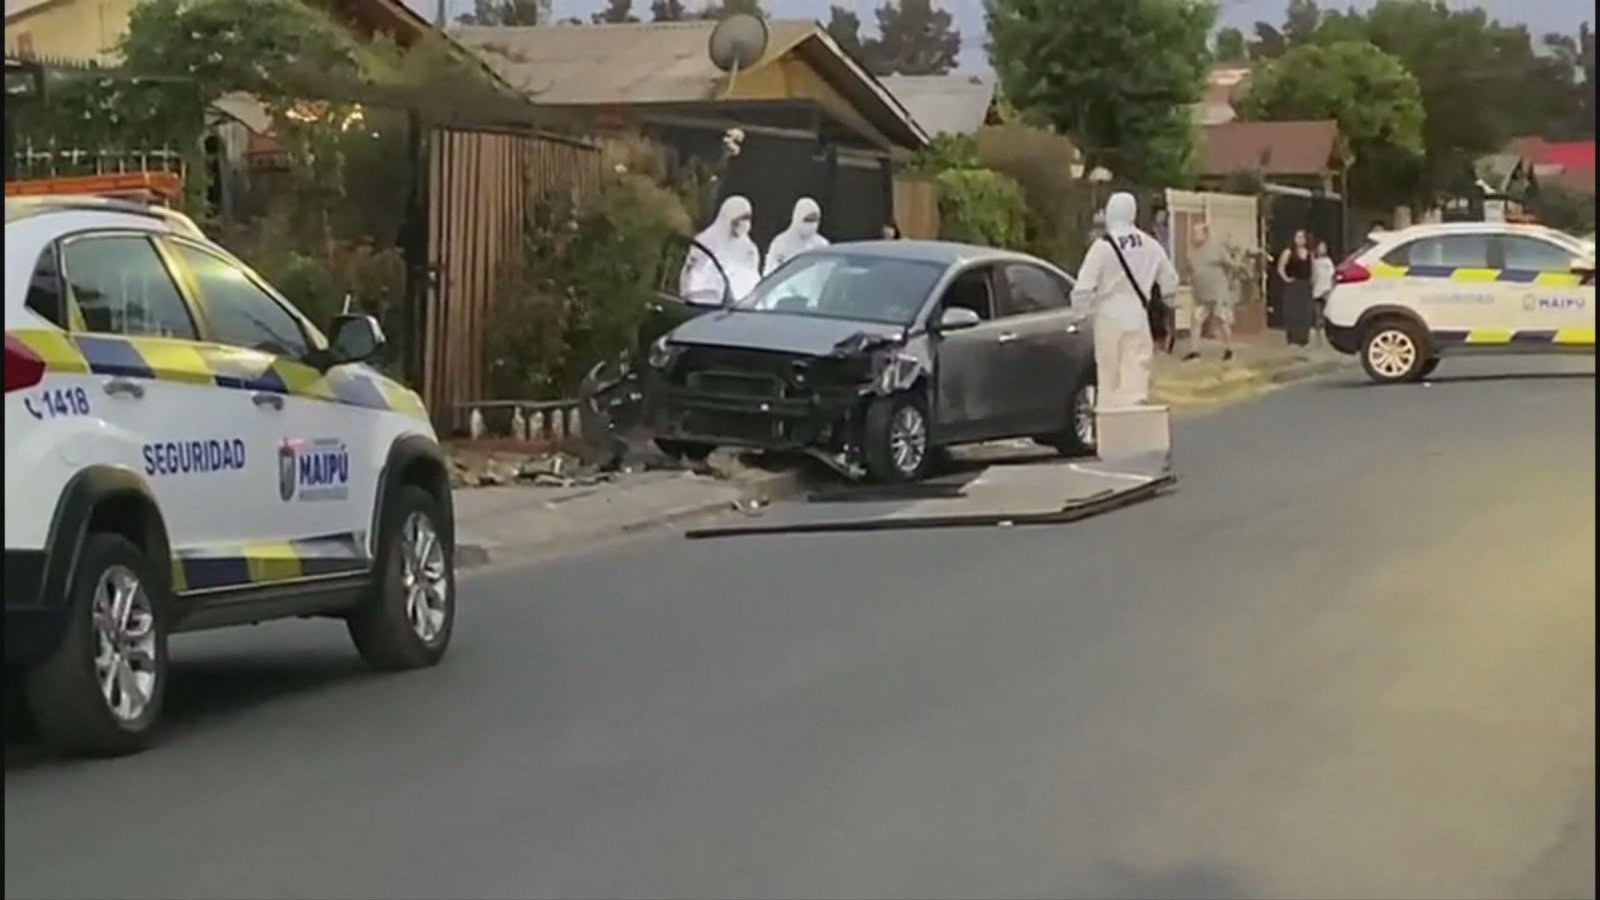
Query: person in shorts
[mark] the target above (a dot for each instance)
(1214, 295)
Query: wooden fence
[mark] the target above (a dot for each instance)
(480, 188)
(916, 206)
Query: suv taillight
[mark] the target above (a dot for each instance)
(1351, 273)
(24, 368)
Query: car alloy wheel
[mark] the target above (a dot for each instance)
(125, 643)
(1083, 420)
(908, 439)
(1392, 353)
(423, 577)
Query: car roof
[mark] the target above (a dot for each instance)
(947, 253)
(1434, 229)
(22, 208)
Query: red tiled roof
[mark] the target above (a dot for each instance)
(1271, 148)
(1570, 155)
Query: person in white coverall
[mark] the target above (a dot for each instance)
(728, 239)
(801, 235)
(1123, 347)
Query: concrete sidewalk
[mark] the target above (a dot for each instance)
(523, 518)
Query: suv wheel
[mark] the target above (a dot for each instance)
(897, 441)
(1394, 350)
(100, 692)
(406, 619)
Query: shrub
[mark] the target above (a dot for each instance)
(980, 206)
(1060, 207)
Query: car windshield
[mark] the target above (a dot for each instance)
(860, 287)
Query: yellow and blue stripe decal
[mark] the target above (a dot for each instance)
(1497, 337)
(189, 362)
(1484, 276)
(269, 562)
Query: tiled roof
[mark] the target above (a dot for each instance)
(1271, 148)
(944, 104)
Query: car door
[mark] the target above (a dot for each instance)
(320, 485)
(1556, 305)
(195, 444)
(972, 378)
(1046, 359)
(1451, 283)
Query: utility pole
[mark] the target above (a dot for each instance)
(441, 16)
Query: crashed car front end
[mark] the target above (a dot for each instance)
(778, 401)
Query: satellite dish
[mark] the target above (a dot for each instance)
(738, 42)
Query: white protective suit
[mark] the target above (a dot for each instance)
(800, 236)
(1123, 347)
(728, 239)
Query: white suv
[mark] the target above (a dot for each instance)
(1408, 297)
(185, 451)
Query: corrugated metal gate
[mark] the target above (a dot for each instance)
(480, 187)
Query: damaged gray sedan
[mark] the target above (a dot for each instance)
(875, 356)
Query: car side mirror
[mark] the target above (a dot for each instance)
(356, 337)
(958, 318)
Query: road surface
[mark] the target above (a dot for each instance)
(1352, 656)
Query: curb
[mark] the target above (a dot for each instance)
(764, 487)
(1253, 381)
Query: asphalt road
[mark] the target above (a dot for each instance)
(1353, 655)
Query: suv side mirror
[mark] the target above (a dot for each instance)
(958, 318)
(355, 337)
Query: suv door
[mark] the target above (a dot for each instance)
(164, 416)
(1048, 355)
(318, 482)
(973, 394)
(1453, 309)
(1555, 303)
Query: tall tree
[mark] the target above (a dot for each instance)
(668, 11)
(507, 12)
(1301, 21)
(1376, 102)
(616, 12)
(1269, 43)
(915, 38)
(721, 9)
(1118, 78)
(844, 26)
(1230, 46)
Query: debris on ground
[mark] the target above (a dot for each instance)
(501, 463)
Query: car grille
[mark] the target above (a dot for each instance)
(732, 426)
(741, 384)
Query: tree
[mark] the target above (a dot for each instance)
(616, 12)
(1119, 79)
(721, 9)
(1376, 102)
(844, 27)
(1230, 46)
(916, 39)
(507, 12)
(668, 11)
(1301, 21)
(1269, 43)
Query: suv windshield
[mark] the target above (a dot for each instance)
(859, 287)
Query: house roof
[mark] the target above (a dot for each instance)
(665, 63)
(944, 104)
(1271, 148)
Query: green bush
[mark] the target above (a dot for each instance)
(1060, 207)
(580, 287)
(980, 206)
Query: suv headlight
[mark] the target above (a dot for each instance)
(661, 354)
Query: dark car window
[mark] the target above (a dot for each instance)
(240, 313)
(1455, 251)
(1529, 254)
(121, 286)
(45, 295)
(859, 287)
(971, 290)
(1030, 289)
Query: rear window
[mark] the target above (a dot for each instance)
(45, 294)
(1455, 251)
(1359, 252)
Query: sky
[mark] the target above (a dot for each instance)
(1540, 16)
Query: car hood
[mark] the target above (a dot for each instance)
(781, 332)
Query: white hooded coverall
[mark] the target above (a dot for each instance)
(800, 236)
(728, 239)
(1123, 347)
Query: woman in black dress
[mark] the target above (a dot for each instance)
(1294, 267)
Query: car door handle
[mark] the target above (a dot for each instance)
(125, 387)
(1007, 338)
(263, 398)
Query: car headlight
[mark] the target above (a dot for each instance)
(661, 354)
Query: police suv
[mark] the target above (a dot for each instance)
(185, 451)
(1407, 298)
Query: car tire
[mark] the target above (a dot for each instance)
(689, 450)
(101, 691)
(897, 441)
(1428, 367)
(1393, 351)
(1078, 439)
(409, 612)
